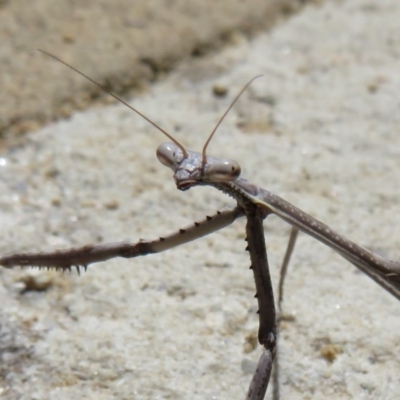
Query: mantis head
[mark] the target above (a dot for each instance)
(193, 169)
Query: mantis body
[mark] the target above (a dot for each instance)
(193, 169)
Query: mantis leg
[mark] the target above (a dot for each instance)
(265, 298)
(289, 250)
(83, 256)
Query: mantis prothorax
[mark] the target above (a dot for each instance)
(193, 169)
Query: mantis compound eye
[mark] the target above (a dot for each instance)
(224, 171)
(167, 154)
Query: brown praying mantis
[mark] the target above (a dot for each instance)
(194, 169)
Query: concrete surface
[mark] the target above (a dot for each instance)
(321, 129)
(123, 43)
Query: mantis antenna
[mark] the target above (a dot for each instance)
(185, 153)
(223, 116)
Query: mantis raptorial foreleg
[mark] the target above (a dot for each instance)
(267, 335)
(83, 256)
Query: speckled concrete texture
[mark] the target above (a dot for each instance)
(122, 42)
(321, 129)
